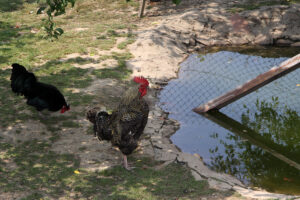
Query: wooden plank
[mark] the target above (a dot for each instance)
(252, 136)
(252, 85)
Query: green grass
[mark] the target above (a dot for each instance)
(124, 44)
(120, 72)
(63, 76)
(31, 166)
(36, 168)
(99, 30)
(70, 124)
(44, 173)
(33, 48)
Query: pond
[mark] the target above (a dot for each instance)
(256, 138)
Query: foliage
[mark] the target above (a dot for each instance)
(58, 7)
(177, 2)
(54, 8)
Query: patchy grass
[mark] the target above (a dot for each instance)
(36, 168)
(89, 27)
(9, 108)
(120, 72)
(43, 173)
(21, 32)
(62, 76)
(70, 124)
(124, 44)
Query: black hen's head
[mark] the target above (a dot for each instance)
(91, 114)
(17, 70)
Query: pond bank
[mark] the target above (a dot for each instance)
(160, 48)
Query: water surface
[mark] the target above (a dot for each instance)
(260, 140)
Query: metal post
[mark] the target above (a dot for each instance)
(142, 8)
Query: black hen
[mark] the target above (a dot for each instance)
(126, 124)
(40, 95)
(102, 123)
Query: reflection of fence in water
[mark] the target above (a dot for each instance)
(257, 141)
(203, 78)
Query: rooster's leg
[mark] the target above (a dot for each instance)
(126, 163)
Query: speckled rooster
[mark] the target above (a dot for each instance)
(126, 124)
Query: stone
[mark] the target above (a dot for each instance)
(295, 37)
(196, 164)
(263, 39)
(197, 176)
(260, 194)
(162, 155)
(157, 113)
(203, 41)
(296, 44)
(192, 42)
(219, 185)
(283, 42)
(167, 131)
(148, 130)
(198, 26)
(237, 41)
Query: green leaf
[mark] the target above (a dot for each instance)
(59, 31)
(40, 10)
(72, 2)
(177, 2)
(49, 12)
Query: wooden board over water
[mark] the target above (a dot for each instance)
(252, 85)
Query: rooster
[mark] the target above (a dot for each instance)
(39, 95)
(124, 126)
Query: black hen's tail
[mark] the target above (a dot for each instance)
(22, 81)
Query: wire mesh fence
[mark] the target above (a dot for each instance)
(258, 139)
(205, 77)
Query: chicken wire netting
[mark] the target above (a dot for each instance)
(205, 77)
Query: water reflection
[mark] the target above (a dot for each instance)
(279, 126)
(269, 156)
(260, 158)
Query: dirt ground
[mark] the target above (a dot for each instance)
(157, 54)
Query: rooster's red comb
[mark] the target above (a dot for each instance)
(141, 80)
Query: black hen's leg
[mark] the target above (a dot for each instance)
(95, 130)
